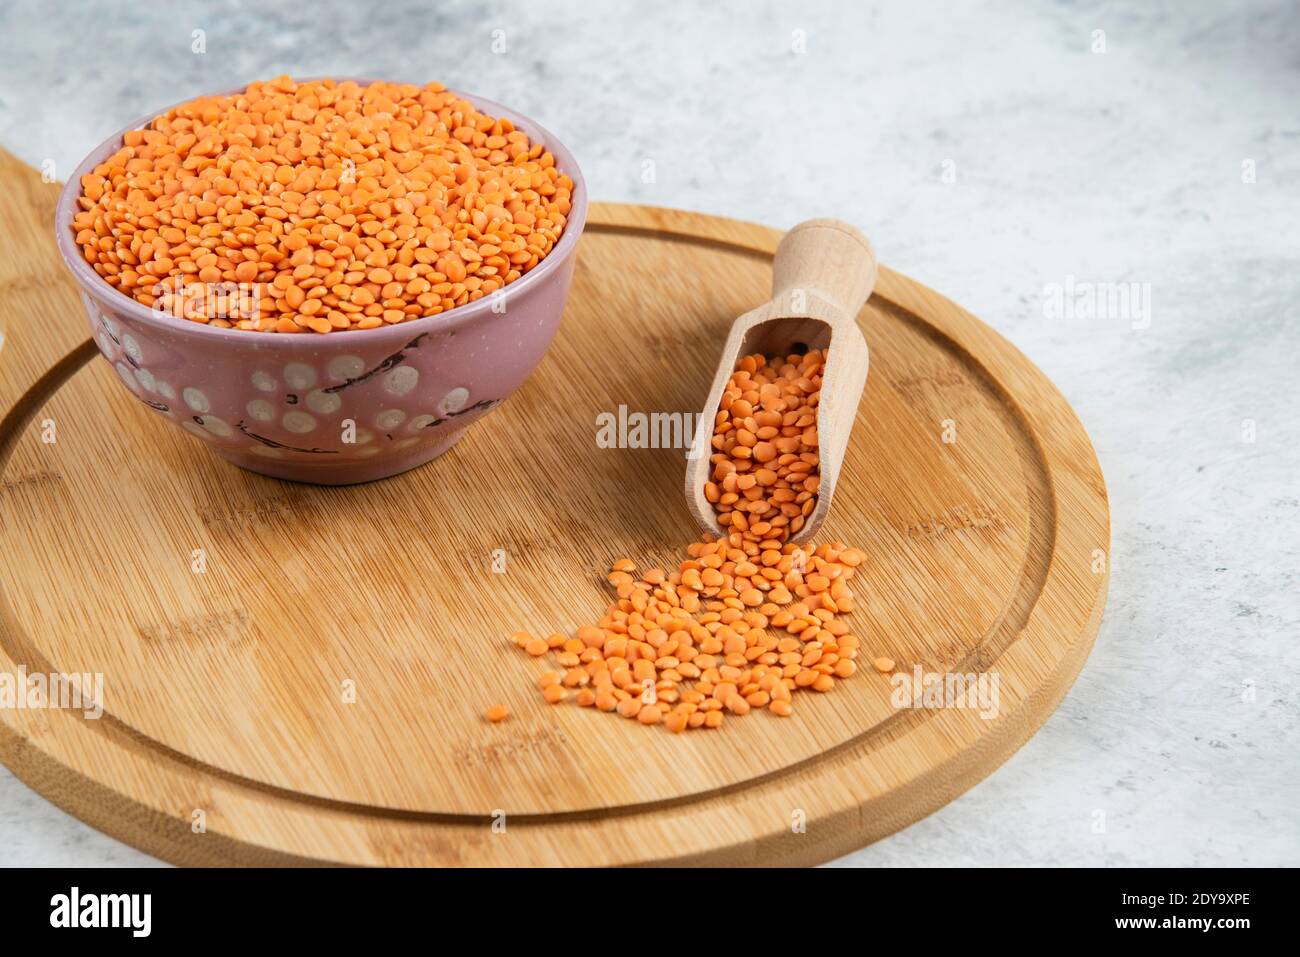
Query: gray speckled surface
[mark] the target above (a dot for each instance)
(1116, 166)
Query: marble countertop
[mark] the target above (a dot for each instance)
(994, 151)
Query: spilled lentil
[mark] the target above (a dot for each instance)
(334, 206)
(747, 620)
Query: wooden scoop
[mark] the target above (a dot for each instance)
(823, 273)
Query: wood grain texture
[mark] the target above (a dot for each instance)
(222, 690)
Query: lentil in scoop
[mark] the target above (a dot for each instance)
(328, 206)
(745, 621)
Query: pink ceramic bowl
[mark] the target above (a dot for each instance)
(343, 407)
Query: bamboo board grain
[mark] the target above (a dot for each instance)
(223, 690)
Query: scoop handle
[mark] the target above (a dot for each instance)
(828, 258)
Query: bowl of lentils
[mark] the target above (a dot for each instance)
(325, 280)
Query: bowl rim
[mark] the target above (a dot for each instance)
(93, 284)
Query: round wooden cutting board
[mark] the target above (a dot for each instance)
(298, 674)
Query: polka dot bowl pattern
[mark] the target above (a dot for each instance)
(343, 407)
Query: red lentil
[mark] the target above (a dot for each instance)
(745, 620)
(398, 201)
